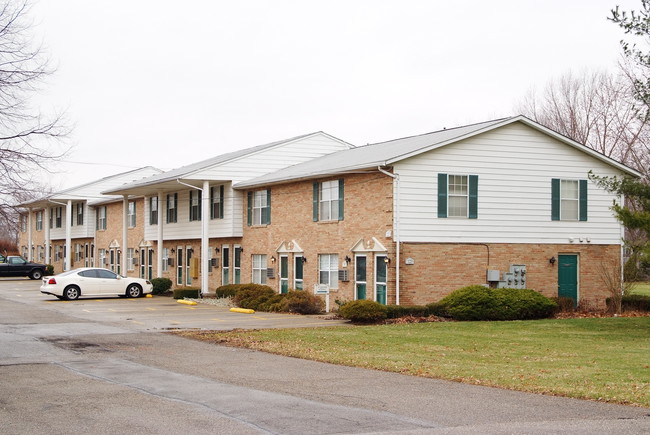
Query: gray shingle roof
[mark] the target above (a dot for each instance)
(370, 156)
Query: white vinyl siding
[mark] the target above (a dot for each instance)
(515, 165)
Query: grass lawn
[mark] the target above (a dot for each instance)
(606, 359)
(641, 288)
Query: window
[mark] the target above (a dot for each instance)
(80, 213)
(457, 196)
(259, 269)
(58, 215)
(328, 201)
(216, 202)
(23, 223)
(568, 200)
(130, 264)
(195, 205)
(153, 210)
(259, 207)
(172, 211)
(101, 218)
(165, 259)
(131, 214)
(328, 270)
(77, 252)
(102, 257)
(298, 272)
(39, 221)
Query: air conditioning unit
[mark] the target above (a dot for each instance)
(270, 273)
(343, 275)
(170, 262)
(214, 262)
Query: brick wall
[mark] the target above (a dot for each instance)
(368, 214)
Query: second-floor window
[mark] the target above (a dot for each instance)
(101, 218)
(568, 200)
(153, 210)
(328, 201)
(172, 211)
(80, 213)
(259, 207)
(195, 205)
(39, 221)
(457, 196)
(58, 217)
(216, 202)
(131, 214)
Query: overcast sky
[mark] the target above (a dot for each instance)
(167, 83)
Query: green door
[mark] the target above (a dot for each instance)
(360, 276)
(567, 277)
(284, 274)
(381, 269)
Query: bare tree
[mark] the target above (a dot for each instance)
(29, 140)
(597, 109)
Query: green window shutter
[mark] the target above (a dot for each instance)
(316, 187)
(221, 189)
(555, 199)
(249, 213)
(473, 197)
(341, 201)
(583, 200)
(211, 202)
(267, 221)
(442, 195)
(190, 207)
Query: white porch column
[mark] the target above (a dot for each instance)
(159, 256)
(68, 234)
(46, 223)
(125, 227)
(30, 242)
(205, 236)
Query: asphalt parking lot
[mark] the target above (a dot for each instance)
(157, 313)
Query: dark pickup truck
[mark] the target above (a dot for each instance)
(18, 266)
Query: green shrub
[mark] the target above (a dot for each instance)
(633, 303)
(252, 296)
(161, 285)
(301, 302)
(437, 309)
(186, 292)
(397, 311)
(477, 302)
(363, 311)
(49, 270)
(228, 291)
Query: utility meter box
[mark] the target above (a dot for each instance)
(493, 275)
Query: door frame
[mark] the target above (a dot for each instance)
(577, 275)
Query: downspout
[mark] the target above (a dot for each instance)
(204, 234)
(396, 209)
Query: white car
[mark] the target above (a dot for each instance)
(93, 281)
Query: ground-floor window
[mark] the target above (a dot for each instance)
(328, 270)
(259, 269)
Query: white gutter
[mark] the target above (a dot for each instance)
(204, 232)
(396, 208)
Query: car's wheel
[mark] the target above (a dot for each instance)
(71, 293)
(134, 291)
(36, 274)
